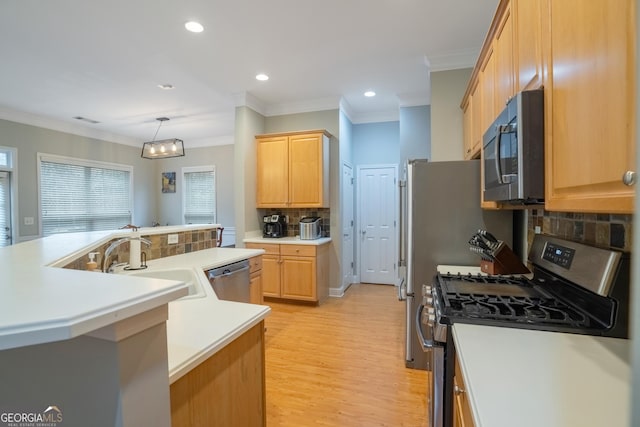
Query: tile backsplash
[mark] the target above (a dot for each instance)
(603, 230)
(296, 214)
(188, 241)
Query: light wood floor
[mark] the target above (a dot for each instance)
(342, 363)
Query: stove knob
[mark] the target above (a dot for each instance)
(428, 301)
(431, 310)
(431, 319)
(426, 290)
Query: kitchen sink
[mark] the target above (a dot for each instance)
(187, 275)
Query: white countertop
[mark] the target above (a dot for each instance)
(525, 378)
(293, 240)
(198, 327)
(40, 303)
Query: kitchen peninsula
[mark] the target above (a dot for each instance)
(96, 346)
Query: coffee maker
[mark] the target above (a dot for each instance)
(274, 225)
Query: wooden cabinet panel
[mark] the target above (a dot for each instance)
(527, 16)
(255, 288)
(590, 105)
(271, 282)
(293, 170)
(298, 250)
(227, 389)
(272, 172)
(462, 416)
(299, 277)
(504, 74)
(487, 92)
(255, 264)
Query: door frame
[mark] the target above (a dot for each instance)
(354, 276)
(357, 215)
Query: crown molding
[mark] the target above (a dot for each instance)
(346, 109)
(66, 127)
(320, 104)
(463, 58)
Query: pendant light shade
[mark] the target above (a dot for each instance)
(162, 149)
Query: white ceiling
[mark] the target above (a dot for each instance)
(104, 60)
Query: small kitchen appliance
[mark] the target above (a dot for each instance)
(310, 228)
(274, 226)
(575, 288)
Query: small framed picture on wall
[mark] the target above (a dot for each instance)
(168, 182)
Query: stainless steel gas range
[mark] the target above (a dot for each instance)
(575, 288)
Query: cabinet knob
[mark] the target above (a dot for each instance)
(629, 178)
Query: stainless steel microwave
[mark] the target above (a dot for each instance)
(513, 151)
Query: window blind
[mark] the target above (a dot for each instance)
(199, 196)
(81, 197)
(5, 209)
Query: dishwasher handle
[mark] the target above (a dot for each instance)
(228, 270)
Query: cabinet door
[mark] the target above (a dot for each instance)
(467, 128)
(271, 276)
(504, 75)
(527, 16)
(272, 174)
(487, 91)
(476, 119)
(299, 278)
(255, 288)
(590, 105)
(462, 416)
(306, 170)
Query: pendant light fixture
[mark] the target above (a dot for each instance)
(164, 148)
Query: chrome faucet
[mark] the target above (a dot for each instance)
(113, 246)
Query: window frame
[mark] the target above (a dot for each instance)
(76, 161)
(12, 169)
(192, 169)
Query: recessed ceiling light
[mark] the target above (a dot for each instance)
(194, 27)
(369, 93)
(262, 77)
(166, 86)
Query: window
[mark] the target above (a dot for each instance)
(81, 195)
(7, 160)
(199, 199)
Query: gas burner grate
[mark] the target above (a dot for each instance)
(514, 309)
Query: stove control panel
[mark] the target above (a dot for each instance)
(559, 255)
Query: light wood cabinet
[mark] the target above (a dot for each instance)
(297, 272)
(255, 280)
(227, 389)
(462, 415)
(472, 130)
(527, 43)
(486, 80)
(590, 89)
(504, 73)
(293, 170)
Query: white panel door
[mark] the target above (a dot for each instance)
(377, 212)
(347, 225)
(5, 209)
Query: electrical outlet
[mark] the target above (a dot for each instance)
(537, 229)
(172, 239)
(28, 220)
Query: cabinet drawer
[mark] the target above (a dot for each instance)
(298, 250)
(255, 264)
(269, 248)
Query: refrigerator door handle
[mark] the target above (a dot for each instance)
(408, 355)
(401, 255)
(402, 291)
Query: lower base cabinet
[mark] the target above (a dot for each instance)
(255, 280)
(295, 272)
(462, 416)
(228, 389)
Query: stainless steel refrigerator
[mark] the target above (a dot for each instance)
(440, 211)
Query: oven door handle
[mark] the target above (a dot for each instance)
(426, 344)
(497, 154)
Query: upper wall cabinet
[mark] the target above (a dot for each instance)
(293, 170)
(590, 88)
(583, 54)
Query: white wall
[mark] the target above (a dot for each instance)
(376, 143)
(447, 89)
(415, 133)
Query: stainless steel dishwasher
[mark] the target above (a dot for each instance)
(231, 282)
